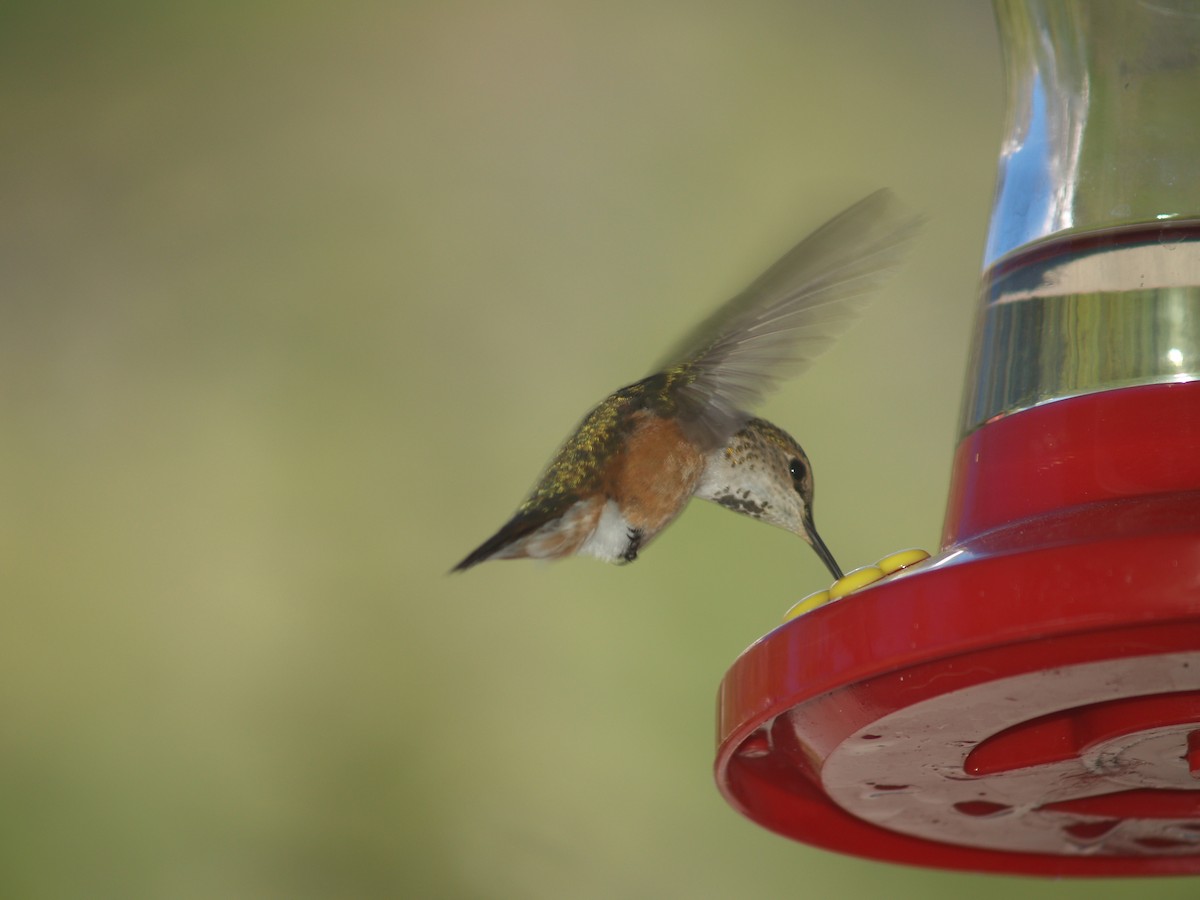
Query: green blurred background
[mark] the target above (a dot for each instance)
(299, 297)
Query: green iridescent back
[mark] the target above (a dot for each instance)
(576, 469)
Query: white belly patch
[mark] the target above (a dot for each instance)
(610, 540)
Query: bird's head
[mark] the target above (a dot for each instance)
(763, 473)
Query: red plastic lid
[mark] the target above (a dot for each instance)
(1028, 701)
(1105, 446)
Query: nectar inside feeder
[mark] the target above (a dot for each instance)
(1028, 699)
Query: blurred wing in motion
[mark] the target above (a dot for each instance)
(786, 318)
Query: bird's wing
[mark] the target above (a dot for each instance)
(787, 317)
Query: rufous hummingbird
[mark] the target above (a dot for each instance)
(635, 460)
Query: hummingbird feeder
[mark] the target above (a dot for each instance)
(1027, 700)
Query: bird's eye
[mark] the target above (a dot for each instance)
(798, 470)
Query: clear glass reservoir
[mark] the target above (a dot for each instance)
(1092, 265)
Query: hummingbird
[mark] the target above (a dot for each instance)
(630, 467)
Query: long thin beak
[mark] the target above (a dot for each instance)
(822, 550)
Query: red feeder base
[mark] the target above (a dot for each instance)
(1027, 702)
